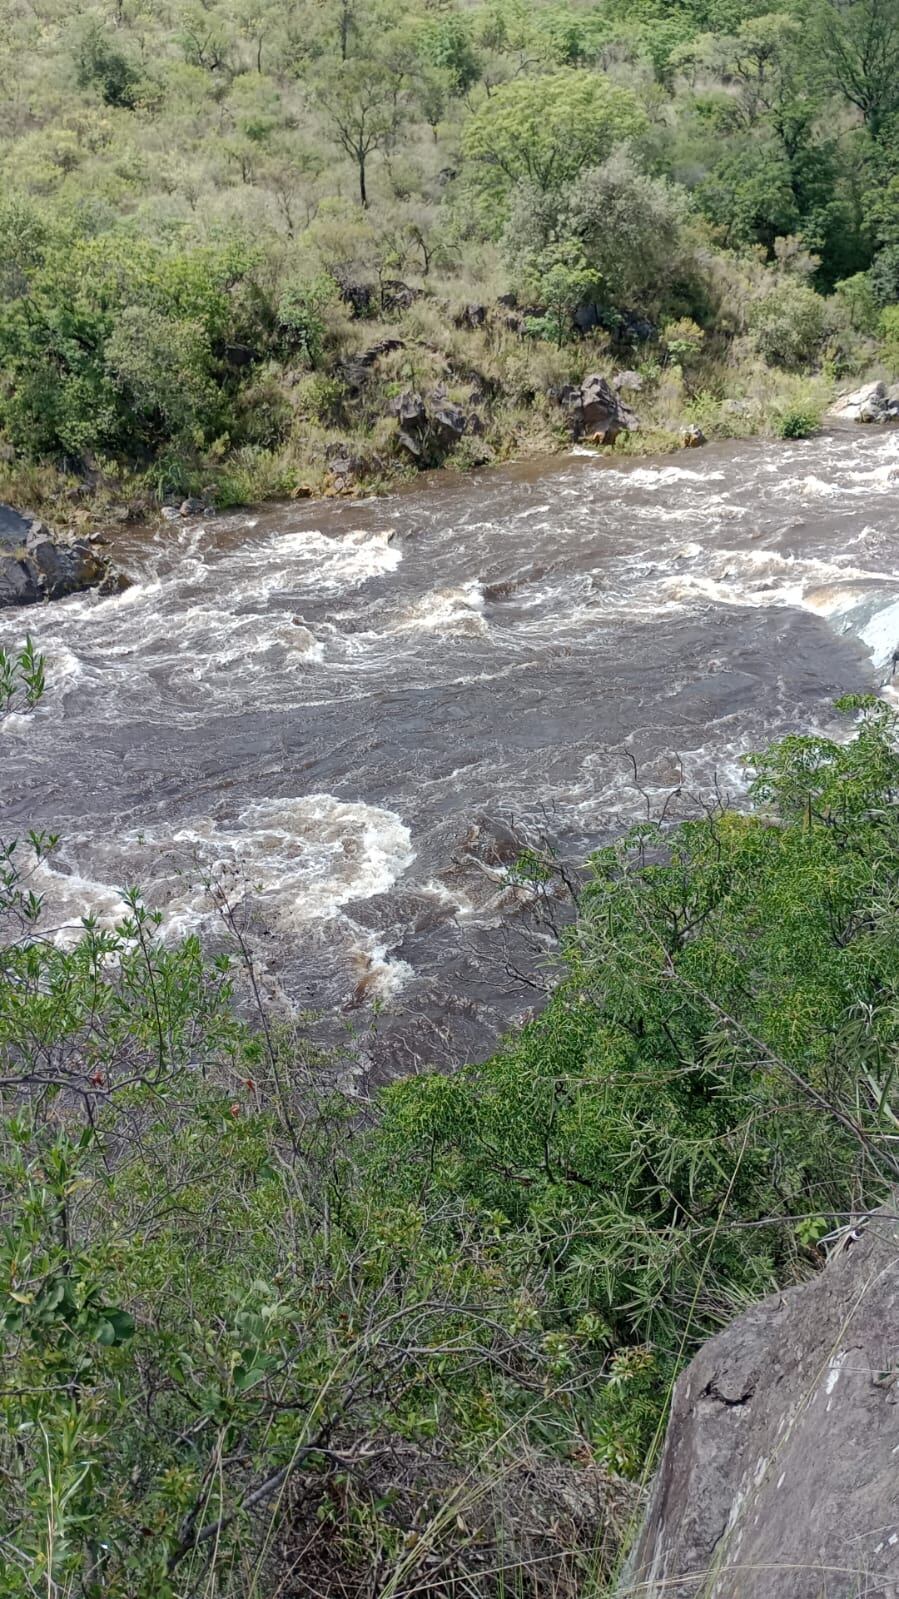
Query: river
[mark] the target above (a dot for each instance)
(339, 707)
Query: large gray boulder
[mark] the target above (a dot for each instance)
(429, 427)
(779, 1477)
(595, 411)
(38, 565)
(874, 402)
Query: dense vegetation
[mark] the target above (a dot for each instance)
(212, 209)
(258, 1339)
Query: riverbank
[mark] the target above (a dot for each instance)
(483, 395)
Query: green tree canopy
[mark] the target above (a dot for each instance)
(546, 130)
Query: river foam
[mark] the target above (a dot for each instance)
(309, 708)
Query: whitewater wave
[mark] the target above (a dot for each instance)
(299, 860)
(456, 611)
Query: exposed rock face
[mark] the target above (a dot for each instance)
(356, 371)
(596, 412)
(429, 427)
(872, 403)
(779, 1476)
(37, 565)
(627, 382)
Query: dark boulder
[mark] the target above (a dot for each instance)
(595, 411)
(15, 527)
(412, 443)
(354, 372)
(344, 465)
(19, 583)
(360, 297)
(778, 1475)
(447, 422)
(632, 328)
(36, 564)
(398, 296)
(587, 317)
(470, 316)
(409, 410)
(429, 427)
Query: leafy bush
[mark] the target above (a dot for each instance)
(206, 1315)
(796, 423)
(718, 1055)
(889, 324)
(301, 315)
(857, 295)
(788, 324)
(124, 349)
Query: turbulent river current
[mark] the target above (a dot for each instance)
(342, 708)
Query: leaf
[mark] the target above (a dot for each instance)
(122, 1323)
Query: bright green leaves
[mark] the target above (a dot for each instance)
(122, 346)
(546, 130)
(22, 680)
(715, 1078)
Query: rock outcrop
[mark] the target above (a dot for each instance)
(38, 565)
(875, 402)
(779, 1476)
(430, 426)
(355, 372)
(692, 437)
(595, 411)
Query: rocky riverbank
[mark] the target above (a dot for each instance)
(455, 415)
(37, 564)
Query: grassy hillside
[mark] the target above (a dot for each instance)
(212, 214)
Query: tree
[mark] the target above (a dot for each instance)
(749, 194)
(561, 280)
(788, 324)
(362, 106)
(860, 44)
(625, 227)
(103, 64)
(630, 226)
(546, 130)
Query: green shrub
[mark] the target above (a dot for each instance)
(301, 316)
(123, 349)
(889, 326)
(797, 423)
(788, 324)
(856, 294)
(700, 1065)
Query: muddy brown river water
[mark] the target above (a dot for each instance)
(335, 704)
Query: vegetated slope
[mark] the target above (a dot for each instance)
(253, 1346)
(233, 235)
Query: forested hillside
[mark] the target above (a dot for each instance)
(233, 236)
